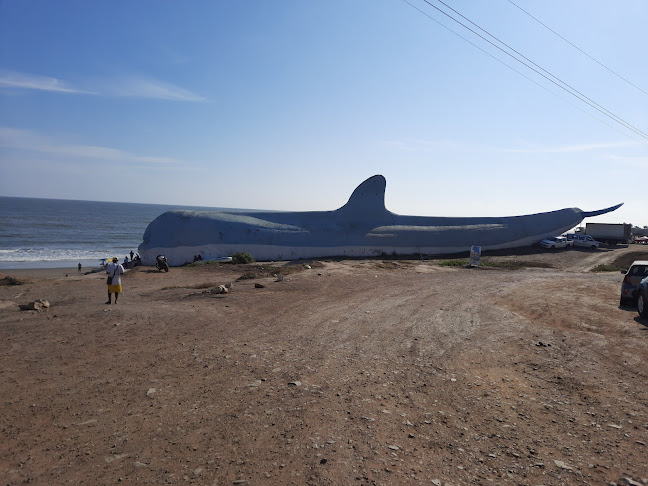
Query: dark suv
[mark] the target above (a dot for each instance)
(637, 271)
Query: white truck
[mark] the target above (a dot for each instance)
(609, 233)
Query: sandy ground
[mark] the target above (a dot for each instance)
(347, 372)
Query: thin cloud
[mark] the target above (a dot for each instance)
(138, 87)
(570, 148)
(26, 140)
(420, 145)
(131, 87)
(14, 80)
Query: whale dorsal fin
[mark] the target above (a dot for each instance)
(368, 198)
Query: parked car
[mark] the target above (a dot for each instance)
(582, 240)
(556, 242)
(641, 240)
(635, 274)
(642, 297)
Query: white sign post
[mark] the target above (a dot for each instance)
(475, 253)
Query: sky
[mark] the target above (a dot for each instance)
(291, 104)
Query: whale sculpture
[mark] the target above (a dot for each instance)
(363, 227)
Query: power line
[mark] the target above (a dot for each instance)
(574, 92)
(564, 86)
(522, 74)
(579, 49)
(608, 113)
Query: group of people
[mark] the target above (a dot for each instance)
(135, 260)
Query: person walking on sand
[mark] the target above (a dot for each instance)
(79, 267)
(114, 271)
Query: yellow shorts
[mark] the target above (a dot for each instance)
(114, 289)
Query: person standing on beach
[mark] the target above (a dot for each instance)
(79, 267)
(114, 271)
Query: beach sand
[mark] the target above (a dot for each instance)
(347, 372)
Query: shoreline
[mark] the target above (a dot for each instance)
(67, 263)
(49, 272)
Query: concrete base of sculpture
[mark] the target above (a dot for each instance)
(361, 228)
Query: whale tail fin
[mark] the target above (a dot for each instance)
(368, 198)
(589, 214)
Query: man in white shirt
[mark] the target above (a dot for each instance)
(114, 270)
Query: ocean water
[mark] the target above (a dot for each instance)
(60, 233)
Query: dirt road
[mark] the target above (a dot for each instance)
(348, 372)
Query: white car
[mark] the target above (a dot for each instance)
(554, 242)
(579, 239)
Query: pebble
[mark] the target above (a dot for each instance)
(91, 421)
(150, 392)
(562, 465)
(631, 482)
(114, 457)
(295, 383)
